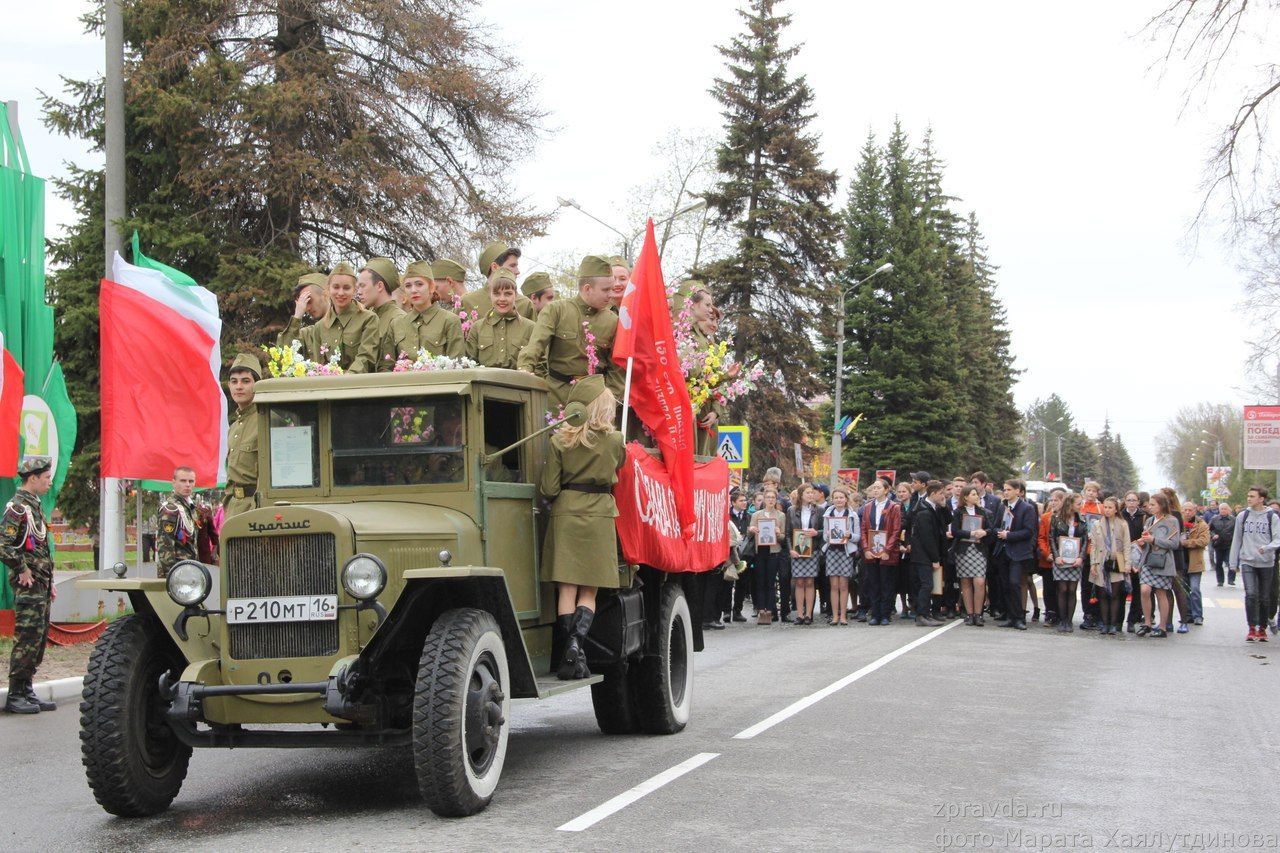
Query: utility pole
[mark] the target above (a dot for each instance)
(111, 522)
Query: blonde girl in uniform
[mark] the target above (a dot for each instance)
(581, 545)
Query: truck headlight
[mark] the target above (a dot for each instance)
(364, 577)
(188, 582)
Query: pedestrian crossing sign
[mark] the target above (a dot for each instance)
(734, 445)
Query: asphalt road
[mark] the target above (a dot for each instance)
(983, 739)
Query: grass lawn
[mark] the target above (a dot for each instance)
(82, 561)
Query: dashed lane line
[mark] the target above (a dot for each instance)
(626, 798)
(813, 698)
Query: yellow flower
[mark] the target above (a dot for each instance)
(299, 370)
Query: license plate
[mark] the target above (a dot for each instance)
(284, 608)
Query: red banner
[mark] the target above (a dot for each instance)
(649, 526)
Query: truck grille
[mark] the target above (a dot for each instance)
(303, 564)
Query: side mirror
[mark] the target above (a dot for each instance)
(575, 414)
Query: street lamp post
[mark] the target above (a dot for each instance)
(836, 441)
(627, 241)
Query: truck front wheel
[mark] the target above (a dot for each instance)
(664, 693)
(460, 712)
(134, 761)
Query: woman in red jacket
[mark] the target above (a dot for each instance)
(881, 525)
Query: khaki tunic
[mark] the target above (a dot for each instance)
(582, 542)
(559, 336)
(705, 441)
(479, 302)
(242, 462)
(496, 340)
(387, 313)
(354, 332)
(436, 330)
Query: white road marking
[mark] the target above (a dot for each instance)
(645, 788)
(813, 698)
(1207, 602)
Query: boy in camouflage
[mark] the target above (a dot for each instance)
(179, 524)
(24, 549)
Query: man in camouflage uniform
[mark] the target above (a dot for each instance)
(179, 524)
(24, 548)
(242, 437)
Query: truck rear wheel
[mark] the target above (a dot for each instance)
(614, 701)
(664, 692)
(134, 762)
(460, 711)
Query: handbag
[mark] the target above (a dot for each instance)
(1156, 560)
(1110, 565)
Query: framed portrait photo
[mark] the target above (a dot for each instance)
(767, 532)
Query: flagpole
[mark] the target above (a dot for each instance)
(626, 397)
(111, 526)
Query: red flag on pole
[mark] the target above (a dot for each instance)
(11, 394)
(659, 395)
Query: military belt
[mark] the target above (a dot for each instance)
(561, 377)
(589, 488)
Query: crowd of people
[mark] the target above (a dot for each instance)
(972, 549)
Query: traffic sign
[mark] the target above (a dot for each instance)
(734, 445)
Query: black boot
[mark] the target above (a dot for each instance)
(559, 638)
(40, 703)
(574, 663)
(17, 702)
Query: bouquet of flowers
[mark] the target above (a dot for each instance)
(425, 361)
(711, 373)
(411, 425)
(288, 361)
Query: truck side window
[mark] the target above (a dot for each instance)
(504, 425)
(295, 446)
(398, 442)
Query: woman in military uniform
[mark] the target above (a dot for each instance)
(348, 328)
(581, 547)
(706, 321)
(496, 340)
(425, 324)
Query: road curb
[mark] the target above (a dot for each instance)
(55, 690)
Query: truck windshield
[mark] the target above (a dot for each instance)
(405, 441)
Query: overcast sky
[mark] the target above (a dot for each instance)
(1080, 161)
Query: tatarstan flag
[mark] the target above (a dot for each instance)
(162, 403)
(10, 411)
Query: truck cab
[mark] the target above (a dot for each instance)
(387, 589)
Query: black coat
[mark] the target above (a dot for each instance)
(961, 537)
(926, 535)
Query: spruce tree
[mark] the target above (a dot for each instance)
(1116, 470)
(989, 371)
(903, 350)
(266, 139)
(772, 196)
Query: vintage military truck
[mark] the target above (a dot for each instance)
(387, 591)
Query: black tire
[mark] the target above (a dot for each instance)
(134, 762)
(664, 689)
(614, 701)
(463, 681)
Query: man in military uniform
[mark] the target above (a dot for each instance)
(24, 549)
(348, 328)
(377, 284)
(179, 524)
(561, 334)
(496, 256)
(497, 339)
(242, 437)
(538, 288)
(427, 325)
(450, 284)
